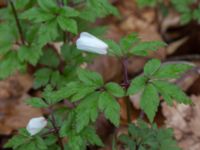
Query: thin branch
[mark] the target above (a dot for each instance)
(17, 22)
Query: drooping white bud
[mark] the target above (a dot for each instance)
(35, 125)
(90, 43)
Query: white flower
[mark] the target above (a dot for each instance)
(90, 43)
(35, 125)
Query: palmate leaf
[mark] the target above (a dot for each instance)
(110, 107)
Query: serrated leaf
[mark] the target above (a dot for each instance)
(87, 111)
(136, 85)
(168, 71)
(90, 135)
(110, 107)
(143, 48)
(128, 41)
(48, 32)
(36, 102)
(30, 54)
(37, 15)
(151, 67)
(40, 143)
(171, 92)
(149, 101)
(65, 92)
(9, 64)
(15, 142)
(90, 77)
(47, 5)
(49, 58)
(115, 89)
(114, 48)
(82, 92)
(68, 12)
(67, 24)
(42, 77)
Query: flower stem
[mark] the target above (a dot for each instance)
(17, 22)
(126, 85)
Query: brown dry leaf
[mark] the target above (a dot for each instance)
(14, 113)
(185, 120)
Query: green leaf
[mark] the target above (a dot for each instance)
(37, 15)
(47, 5)
(53, 97)
(67, 24)
(129, 143)
(149, 101)
(47, 32)
(82, 92)
(143, 48)
(15, 141)
(137, 84)
(68, 12)
(110, 107)
(196, 14)
(115, 89)
(165, 139)
(49, 58)
(171, 92)
(36, 102)
(87, 111)
(9, 64)
(128, 41)
(168, 71)
(114, 48)
(90, 77)
(151, 67)
(40, 143)
(30, 54)
(42, 77)
(90, 135)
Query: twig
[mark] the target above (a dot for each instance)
(17, 22)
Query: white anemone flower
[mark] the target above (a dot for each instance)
(35, 125)
(90, 43)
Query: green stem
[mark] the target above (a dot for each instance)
(17, 22)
